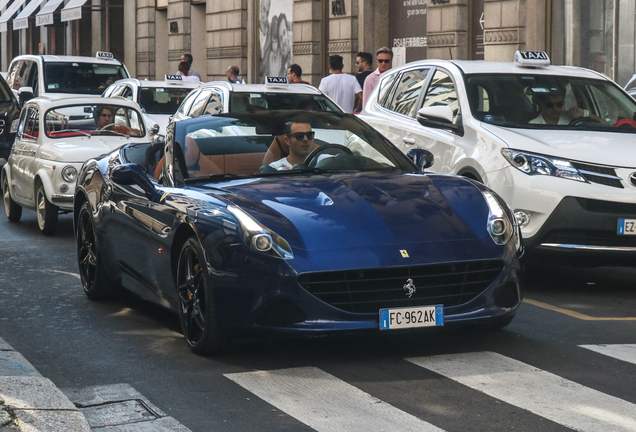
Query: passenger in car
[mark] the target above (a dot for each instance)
(300, 139)
(552, 113)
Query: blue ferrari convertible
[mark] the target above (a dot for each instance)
(302, 223)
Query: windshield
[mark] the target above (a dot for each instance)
(162, 100)
(87, 120)
(83, 78)
(262, 144)
(551, 102)
(240, 102)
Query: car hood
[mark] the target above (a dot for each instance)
(605, 148)
(80, 149)
(429, 217)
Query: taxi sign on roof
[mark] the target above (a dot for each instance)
(175, 78)
(275, 81)
(532, 58)
(104, 55)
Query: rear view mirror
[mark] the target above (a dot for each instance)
(24, 95)
(133, 174)
(422, 158)
(440, 117)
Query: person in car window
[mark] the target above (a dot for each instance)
(552, 112)
(105, 116)
(300, 140)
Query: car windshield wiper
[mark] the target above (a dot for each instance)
(216, 177)
(70, 130)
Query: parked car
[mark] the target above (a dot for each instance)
(222, 96)
(570, 184)
(63, 76)
(9, 113)
(357, 238)
(42, 169)
(159, 100)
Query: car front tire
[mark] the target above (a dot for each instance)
(11, 208)
(197, 309)
(47, 213)
(95, 281)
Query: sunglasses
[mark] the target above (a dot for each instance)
(383, 61)
(553, 104)
(301, 135)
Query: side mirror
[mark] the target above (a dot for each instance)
(133, 174)
(421, 158)
(440, 117)
(24, 95)
(154, 129)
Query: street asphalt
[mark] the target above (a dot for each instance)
(31, 403)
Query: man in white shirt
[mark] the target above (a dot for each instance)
(343, 88)
(552, 111)
(301, 142)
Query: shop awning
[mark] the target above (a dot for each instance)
(73, 10)
(8, 14)
(22, 20)
(45, 16)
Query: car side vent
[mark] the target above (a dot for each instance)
(599, 174)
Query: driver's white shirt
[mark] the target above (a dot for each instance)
(281, 164)
(563, 119)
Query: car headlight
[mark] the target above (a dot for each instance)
(259, 238)
(501, 224)
(69, 173)
(533, 164)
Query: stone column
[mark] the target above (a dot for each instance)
(447, 29)
(227, 38)
(309, 51)
(178, 31)
(343, 32)
(130, 36)
(504, 29)
(145, 39)
(97, 29)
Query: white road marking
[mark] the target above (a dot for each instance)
(327, 403)
(624, 352)
(540, 392)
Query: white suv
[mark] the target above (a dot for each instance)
(557, 143)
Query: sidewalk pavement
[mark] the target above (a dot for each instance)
(31, 403)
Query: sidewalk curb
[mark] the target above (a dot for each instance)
(29, 402)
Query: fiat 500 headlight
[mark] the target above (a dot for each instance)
(501, 224)
(69, 173)
(259, 238)
(533, 164)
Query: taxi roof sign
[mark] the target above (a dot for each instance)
(104, 55)
(275, 81)
(174, 78)
(532, 59)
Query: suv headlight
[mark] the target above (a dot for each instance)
(501, 224)
(533, 164)
(259, 238)
(69, 173)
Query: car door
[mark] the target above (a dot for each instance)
(24, 153)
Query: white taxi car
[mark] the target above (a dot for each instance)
(53, 140)
(159, 100)
(222, 96)
(557, 143)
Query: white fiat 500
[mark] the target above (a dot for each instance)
(557, 143)
(53, 140)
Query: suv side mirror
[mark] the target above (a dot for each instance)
(440, 117)
(24, 95)
(422, 158)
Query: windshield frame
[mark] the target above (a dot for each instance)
(90, 132)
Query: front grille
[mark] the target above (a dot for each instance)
(611, 207)
(607, 175)
(367, 291)
(589, 238)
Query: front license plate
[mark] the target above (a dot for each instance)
(627, 226)
(410, 317)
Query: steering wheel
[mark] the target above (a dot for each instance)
(312, 155)
(578, 120)
(113, 127)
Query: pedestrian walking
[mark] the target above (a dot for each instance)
(185, 72)
(343, 88)
(364, 63)
(187, 58)
(384, 57)
(294, 72)
(232, 75)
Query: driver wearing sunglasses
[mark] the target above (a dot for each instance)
(552, 112)
(300, 139)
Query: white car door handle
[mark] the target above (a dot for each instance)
(409, 141)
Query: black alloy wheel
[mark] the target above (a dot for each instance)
(197, 309)
(95, 281)
(47, 212)
(11, 208)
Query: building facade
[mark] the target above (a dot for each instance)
(262, 37)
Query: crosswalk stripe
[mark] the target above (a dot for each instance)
(624, 352)
(326, 403)
(540, 392)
